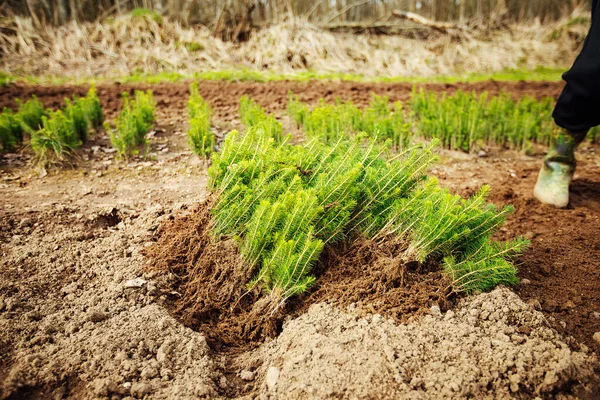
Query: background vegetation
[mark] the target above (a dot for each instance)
(234, 14)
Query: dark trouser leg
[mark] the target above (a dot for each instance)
(578, 106)
(577, 110)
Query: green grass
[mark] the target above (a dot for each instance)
(247, 75)
(200, 137)
(133, 123)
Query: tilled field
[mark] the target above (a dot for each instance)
(83, 316)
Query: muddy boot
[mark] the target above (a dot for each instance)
(553, 182)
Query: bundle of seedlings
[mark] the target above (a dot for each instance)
(133, 123)
(464, 121)
(13, 126)
(200, 137)
(253, 115)
(65, 130)
(332, 121)
(282, 206)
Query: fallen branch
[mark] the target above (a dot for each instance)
(443, 27)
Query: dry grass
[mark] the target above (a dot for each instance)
(128, 45)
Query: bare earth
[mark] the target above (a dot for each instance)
(81, 316)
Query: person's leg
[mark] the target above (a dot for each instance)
(554, 179)
(577, 110)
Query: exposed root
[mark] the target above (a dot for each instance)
(212, 274)
(377, 278)
(213, 280)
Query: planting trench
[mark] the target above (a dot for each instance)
(71, 328)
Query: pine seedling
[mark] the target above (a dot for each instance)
(440, 224)
(387, 182)
(145, 107)
(287, 268)
(284, 204)
(134, 122)
(253, 115)
(329, 122)
(463, 121)
(11, 131)
(30, 114)
(200, 137)
(74, 112)
(92, 108)
(56, 139)
(296, 109)
(490, 265)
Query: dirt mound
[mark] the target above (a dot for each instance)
(492, 346)
(79, 316)
(559, 270)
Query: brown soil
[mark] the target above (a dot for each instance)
(70, 240)
(560, 271)
(375, 279)
(212, 278)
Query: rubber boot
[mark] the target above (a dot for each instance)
(553, 181)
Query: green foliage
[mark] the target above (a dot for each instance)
(253, 115)
(56, 134)
(487, 266)
(442, 225)
(332, 121)
(464, 121)
(13, 125)
(200, 137)
(134, 122)
(11, 132)
(74, 112)
(147, 13)
(285, 204)
(57, 138)
(30, 114)
(91, 108)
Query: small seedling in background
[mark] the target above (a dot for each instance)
(11, 132)
(200, 137)
(332, 121)
(27, 119)
(134, 122)
(464, 121)
(56, 139)
(59, 133)
(253, 115)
